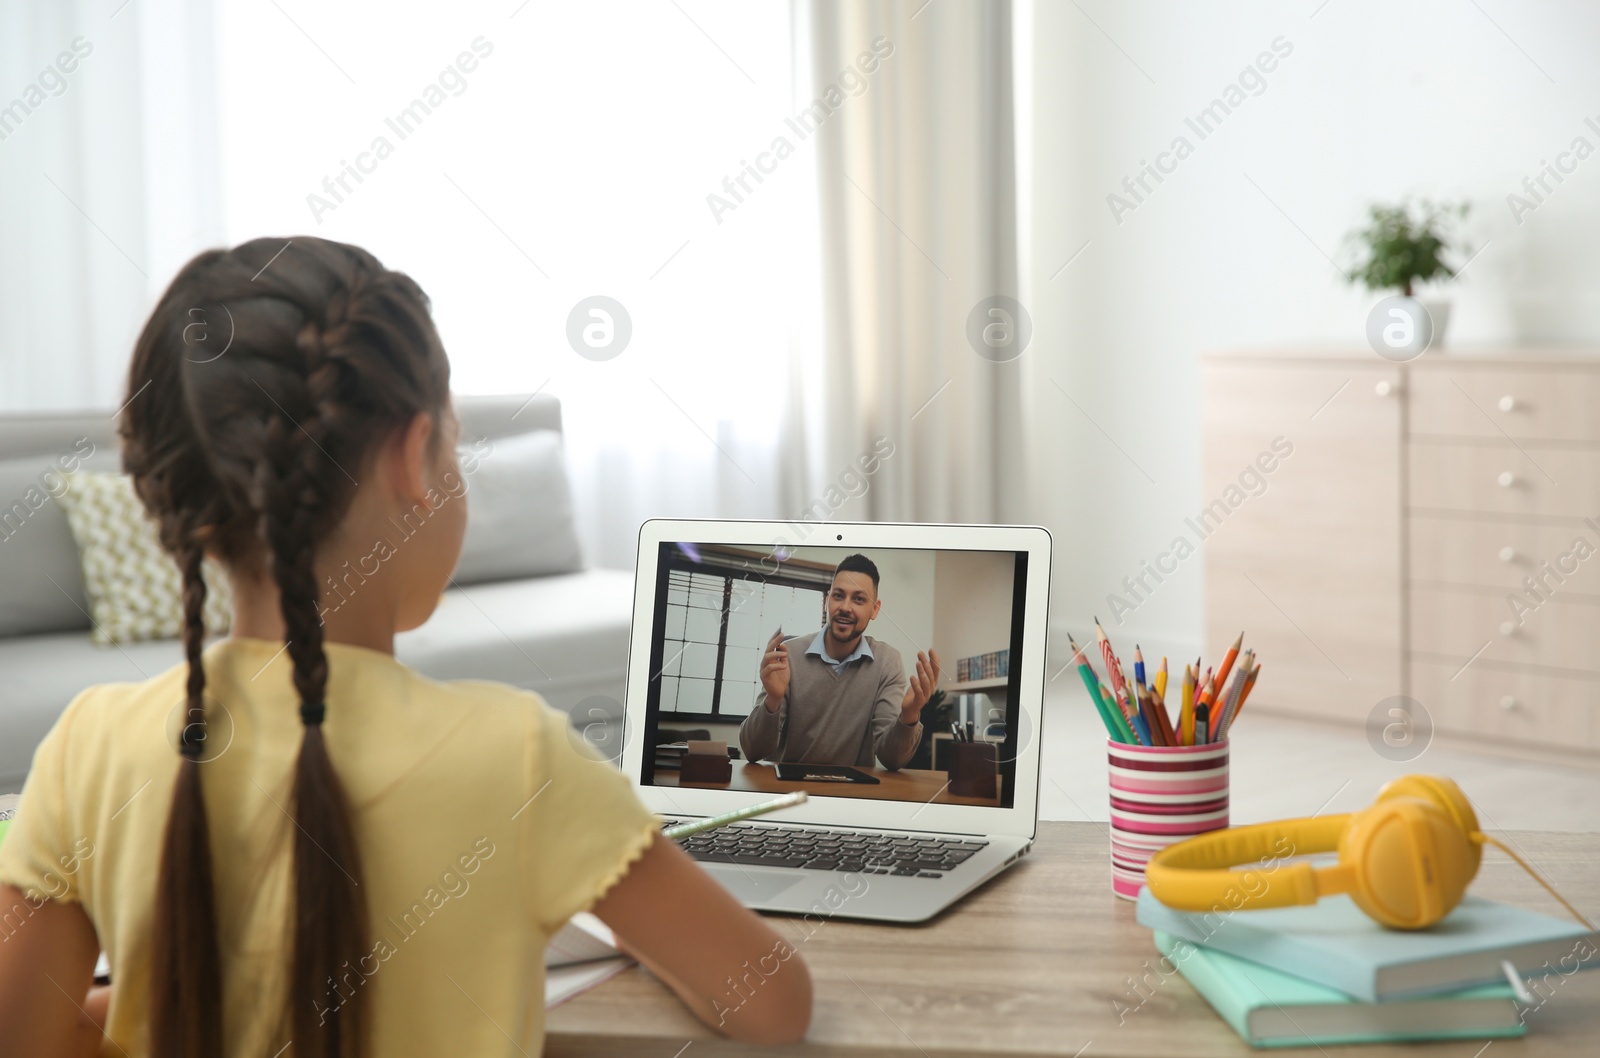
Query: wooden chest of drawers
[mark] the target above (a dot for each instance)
(1435, 535)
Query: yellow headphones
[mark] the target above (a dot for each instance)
(1406, 861)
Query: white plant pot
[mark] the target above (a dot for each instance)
(1439, 313)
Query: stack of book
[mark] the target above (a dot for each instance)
(669, 755)
(1326, 973)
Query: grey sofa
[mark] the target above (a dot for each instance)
(564, 635)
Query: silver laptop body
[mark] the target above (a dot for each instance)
(896, 860)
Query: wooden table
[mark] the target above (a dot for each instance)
(904, 784)
(1032, 964)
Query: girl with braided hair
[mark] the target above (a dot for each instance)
(292, 844)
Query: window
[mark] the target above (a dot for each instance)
(717, 623)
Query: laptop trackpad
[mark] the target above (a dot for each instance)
(752, 885)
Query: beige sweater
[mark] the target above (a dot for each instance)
(848, 718)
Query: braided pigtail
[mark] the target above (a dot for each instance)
(187, 1020)
(265, 375)
(330, 918)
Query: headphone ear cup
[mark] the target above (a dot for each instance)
(1410, 862)
(1448, 797)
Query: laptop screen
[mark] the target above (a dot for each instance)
(813, 666)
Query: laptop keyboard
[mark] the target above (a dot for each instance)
(826, 849)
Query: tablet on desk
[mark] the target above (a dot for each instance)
(822, 773)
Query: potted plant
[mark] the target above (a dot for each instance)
(1405, 245)
(936, 716)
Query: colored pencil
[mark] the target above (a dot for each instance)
(1113, 670)
(1148, 711)
(1120, 684)
(1091, 683)
(1142, 729)
(1138, 666)
(1250, 681)
(1249, 686)
(1107, 695)
(1160, 703)
(1186, 712)
(1110, 716)
(1119, 718)
(1135, 715)
(1230, 701)
(1116, 706)
(1168, 736)
(1227, 664)
(700, 826)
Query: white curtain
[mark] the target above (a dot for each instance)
(108, 182)
(580, 158)
(918, 201)
(670, 156)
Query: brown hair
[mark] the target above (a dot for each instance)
(259, 385)
(858, 564)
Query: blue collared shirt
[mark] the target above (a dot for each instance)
(819, 648)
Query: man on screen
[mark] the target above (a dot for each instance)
(839, 696)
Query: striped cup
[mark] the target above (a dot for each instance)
(1161, 795)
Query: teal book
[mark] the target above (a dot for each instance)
(1268, 1008)
(1334, 943)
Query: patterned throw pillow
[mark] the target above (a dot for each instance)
(135, 589)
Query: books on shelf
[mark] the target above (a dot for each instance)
(1333, 943)
(993, 665)
(1270, 1008)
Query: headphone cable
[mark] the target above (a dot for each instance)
(1480, 838)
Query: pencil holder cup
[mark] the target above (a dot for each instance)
(1161, 795)
(973, 769)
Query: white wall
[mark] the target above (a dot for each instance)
(972, 602)
(1375, 102)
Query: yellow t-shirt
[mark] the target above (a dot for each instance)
(484, 823)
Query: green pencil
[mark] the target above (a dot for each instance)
(788, 800)
(1109, 715)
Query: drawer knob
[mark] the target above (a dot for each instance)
(1508, 403)
(1508, 554)
(1506, 479)
(1384, 388)
(1508, 628)
(1510, 704)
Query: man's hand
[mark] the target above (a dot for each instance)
(775, 671)
(923, 682)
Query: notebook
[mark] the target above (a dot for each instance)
(1269, 1008)
(582, 954)
(1334, 943)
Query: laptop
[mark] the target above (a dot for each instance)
(902, 820)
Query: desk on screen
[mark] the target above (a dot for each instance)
(906, 784)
